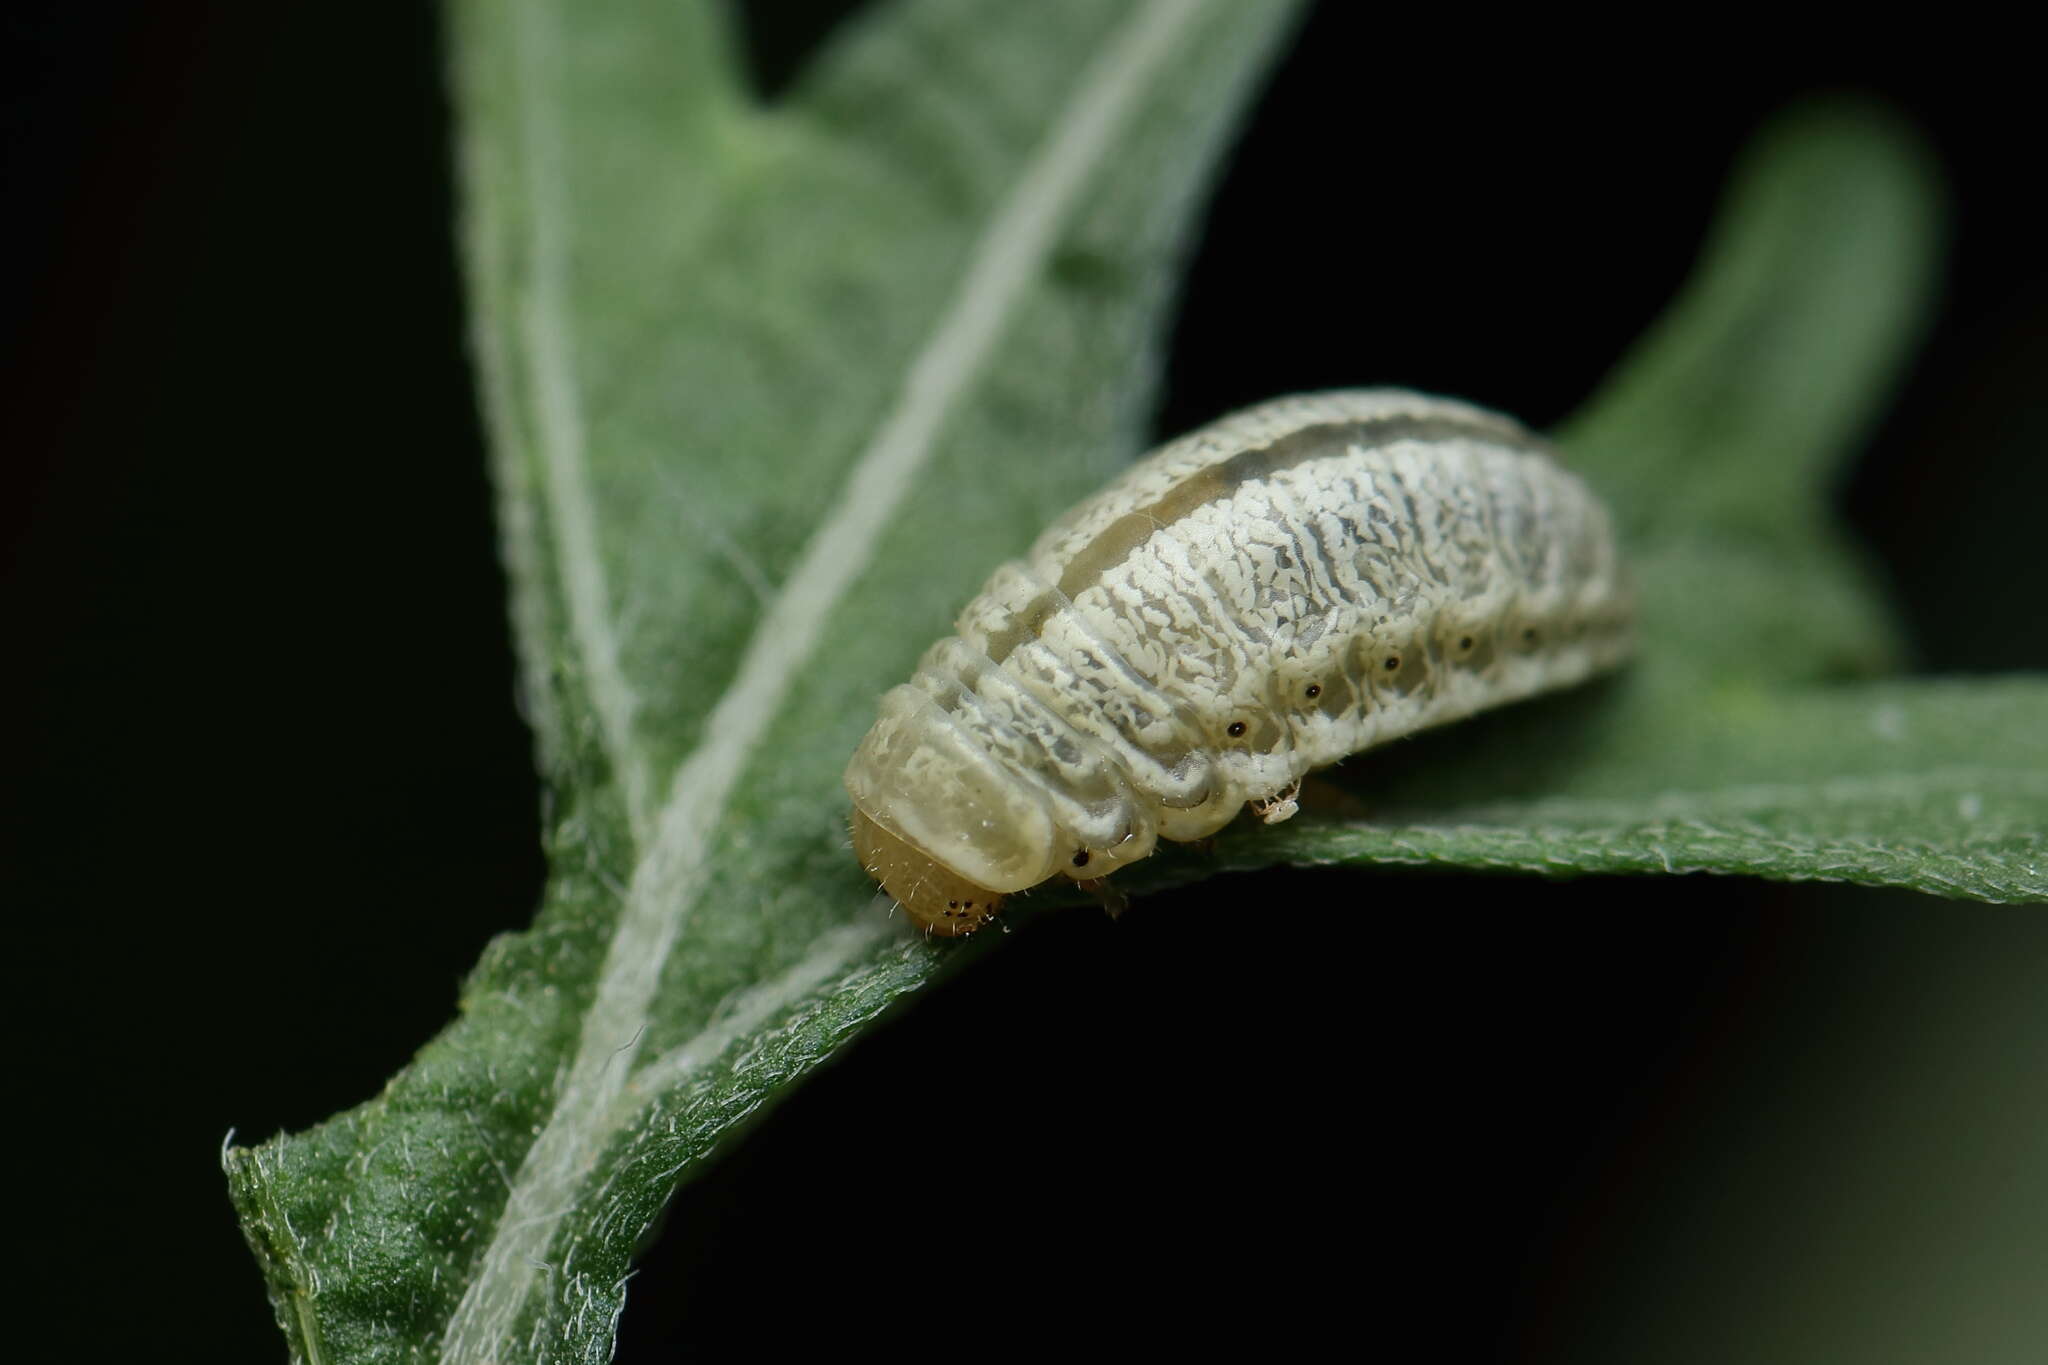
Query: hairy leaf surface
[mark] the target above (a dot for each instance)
(771, 387)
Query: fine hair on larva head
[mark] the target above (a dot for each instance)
(936, 898)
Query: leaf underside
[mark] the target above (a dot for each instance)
(740, 360)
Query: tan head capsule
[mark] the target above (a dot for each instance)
(1296, 583)
(934, 897)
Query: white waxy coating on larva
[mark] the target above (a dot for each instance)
(1280, 589)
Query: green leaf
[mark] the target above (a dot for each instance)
(768, 389)
(771, 388)
(1718, 439)
(1940, 785)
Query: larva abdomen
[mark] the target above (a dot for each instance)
(1278, 590)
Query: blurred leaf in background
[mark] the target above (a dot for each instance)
(770, 388)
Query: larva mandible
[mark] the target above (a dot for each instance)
(1287, 586)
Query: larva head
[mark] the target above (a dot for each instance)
(950, 823)
(934, 896)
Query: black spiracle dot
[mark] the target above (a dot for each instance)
(1236, 729)
(1529, 635)
(1464, 642)
(1393, 662)
(1081, 858)
(1314, 690)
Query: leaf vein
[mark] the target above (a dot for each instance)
(670, 872)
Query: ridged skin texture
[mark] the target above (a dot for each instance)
(1282, 588)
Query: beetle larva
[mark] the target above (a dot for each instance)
(1285, 587)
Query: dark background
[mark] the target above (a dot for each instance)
(269, 794)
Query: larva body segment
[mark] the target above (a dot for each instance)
(1290, 585)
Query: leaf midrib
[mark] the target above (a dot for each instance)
(669, 874)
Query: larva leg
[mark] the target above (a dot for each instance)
(1110, 896)
(1281, 806)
